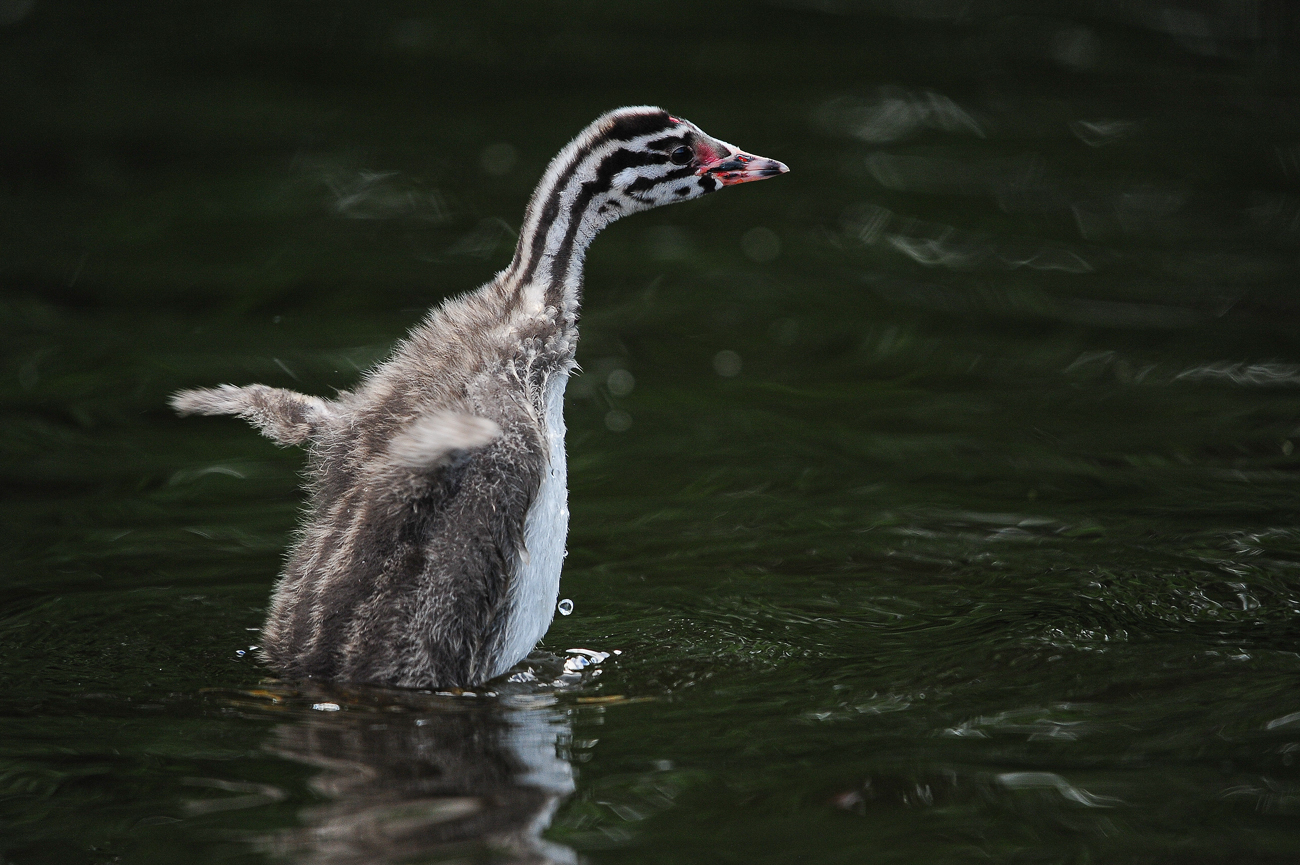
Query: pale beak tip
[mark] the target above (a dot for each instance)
(770, 168)
(744, 168)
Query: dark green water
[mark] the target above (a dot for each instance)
(940, 496)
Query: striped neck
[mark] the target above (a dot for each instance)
(584, 190)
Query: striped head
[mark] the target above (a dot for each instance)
(628, 160)
(652, 158)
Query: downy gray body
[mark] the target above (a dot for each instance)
(435, 535)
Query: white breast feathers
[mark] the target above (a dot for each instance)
(535, 586)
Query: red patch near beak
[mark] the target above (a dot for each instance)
(707, 155)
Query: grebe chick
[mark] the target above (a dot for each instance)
(435, 533)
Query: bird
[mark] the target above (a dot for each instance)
(437, 516)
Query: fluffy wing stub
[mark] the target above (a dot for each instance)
(429, 440)
(286, 416)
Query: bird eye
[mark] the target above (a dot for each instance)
(682, 155)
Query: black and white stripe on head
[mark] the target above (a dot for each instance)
(621, 129)
(628, 160)
(629, 124)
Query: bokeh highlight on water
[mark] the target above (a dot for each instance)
(939, 498)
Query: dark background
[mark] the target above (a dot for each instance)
(939, 495)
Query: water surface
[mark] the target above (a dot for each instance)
(939, 497)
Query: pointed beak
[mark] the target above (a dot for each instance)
(741, 167)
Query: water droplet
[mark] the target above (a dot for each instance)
(564, 607)
(620, 382)
(727, 363)
(594, 656)
(618, 421)
(498, 159)
(760, 244)
(668, 243)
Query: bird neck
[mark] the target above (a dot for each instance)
(570, 206)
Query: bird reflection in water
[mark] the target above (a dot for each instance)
(447, 775)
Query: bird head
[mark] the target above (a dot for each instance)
(662, 158)
(628, 160)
